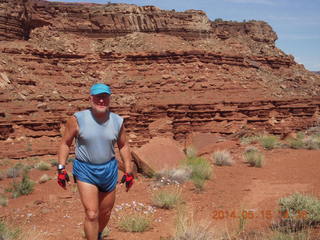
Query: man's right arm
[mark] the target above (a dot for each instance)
(70, 132)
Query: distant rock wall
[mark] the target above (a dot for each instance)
(14, 18)
(19, 17)
(171, 73)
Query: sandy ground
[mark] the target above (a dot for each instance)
(54, 213)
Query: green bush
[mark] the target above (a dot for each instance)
(201, 170)
(299, 211)
(8, 233)
(222, 158)
(43, 166)
(3, 201)
(24, 187)
(166, 199)
(296, 143)
(254, 158)
(269, 141)
(53, 162)
(134, 223)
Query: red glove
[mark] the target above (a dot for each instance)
(63, 177)
(128, 179)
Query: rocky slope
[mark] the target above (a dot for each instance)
(172, 73)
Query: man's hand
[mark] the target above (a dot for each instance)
(128, 179)
(63, 177)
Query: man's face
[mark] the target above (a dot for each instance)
(100, 102)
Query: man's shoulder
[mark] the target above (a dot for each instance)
(82, 112)
(115, 115)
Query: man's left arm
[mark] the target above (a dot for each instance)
(124, 149)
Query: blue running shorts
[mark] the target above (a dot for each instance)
(104, 176)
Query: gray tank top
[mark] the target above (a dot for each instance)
(95, 141)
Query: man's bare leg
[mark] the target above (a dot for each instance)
(89, 195)
(106, 202)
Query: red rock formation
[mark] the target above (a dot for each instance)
(171, 73)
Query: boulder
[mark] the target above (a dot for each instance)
(157, 155)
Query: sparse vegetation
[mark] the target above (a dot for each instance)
(43, 166)
(53, 162)
(191, 152)
(44, 178)
(249, 139)
(222, 158)
(24, 187)
(201, 170)
(188, 229)
(296, 143)
(167, 199)
(269, 141)
(134, 223)
(254, 157)
(3, 201)
(299, 211)
(8, 233)
(174, 176)
(13, 172)
(290, 236)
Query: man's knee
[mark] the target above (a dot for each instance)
(105, 212)
(92, 215)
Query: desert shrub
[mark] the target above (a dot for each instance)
(166, 199)
(296, 143)
(174, 176)
(134, 223)
(200, 167)
(53, 162)
(312, 142)
(304, 235)
(222, 158)
(198, 182)
(13, 172)
(269, 141)
(43, 166)
(299, 211)
(3, 201)
(8, 233)
(24, 187)
(44, 178)
(188, 229)
(191, 152)
(201, 170)
(250, 139)
(254, 157)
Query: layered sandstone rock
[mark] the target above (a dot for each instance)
(171, 74)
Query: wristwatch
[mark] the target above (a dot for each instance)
(60, 167)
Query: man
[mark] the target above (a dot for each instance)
(95, 169)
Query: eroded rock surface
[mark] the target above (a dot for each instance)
(172, 73)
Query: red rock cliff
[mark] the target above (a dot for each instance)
(172, 73)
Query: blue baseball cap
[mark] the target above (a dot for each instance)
(99, 88)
